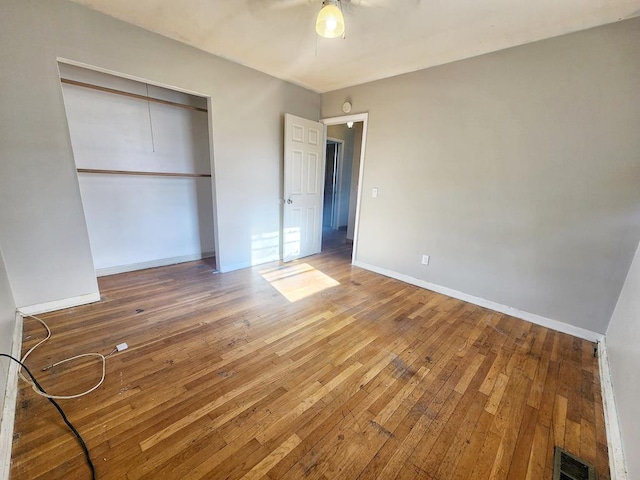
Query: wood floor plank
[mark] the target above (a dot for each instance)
(537, 454)
(519, 464)
(469, 452)
(371, 378)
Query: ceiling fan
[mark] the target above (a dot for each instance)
(330, 20)
(345, 3)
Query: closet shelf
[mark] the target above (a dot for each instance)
(132, 172)
(132, 95)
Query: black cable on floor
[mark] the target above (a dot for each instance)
(64, 417)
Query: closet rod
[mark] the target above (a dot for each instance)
(133, 172)
(132, 95)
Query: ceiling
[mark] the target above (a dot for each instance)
(383, 37)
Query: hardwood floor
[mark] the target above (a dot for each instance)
(367, 378)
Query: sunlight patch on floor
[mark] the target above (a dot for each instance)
(298, 281)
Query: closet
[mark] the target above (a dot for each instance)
(143, 160)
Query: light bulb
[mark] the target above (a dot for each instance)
(330, 22)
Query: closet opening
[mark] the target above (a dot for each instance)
(144, 165)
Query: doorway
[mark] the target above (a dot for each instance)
(344, 151)
(333, 164)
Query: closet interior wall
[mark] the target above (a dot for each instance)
(144, 170)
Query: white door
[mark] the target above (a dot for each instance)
(303, 187)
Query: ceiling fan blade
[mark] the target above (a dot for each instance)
(278, 4)
(384, 4)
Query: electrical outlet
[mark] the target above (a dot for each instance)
(425, 260)
(374, 192)
(122, 346)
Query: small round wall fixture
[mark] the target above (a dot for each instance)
(346, 107)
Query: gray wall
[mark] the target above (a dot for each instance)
(623, 338)
(516, 171)
(43, 231)
(7, 321)
(355, 176)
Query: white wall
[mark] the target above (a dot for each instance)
(623, 348)
(517, 171)
(135, 222)
(44, 235)
(117, 132)
(7, 320)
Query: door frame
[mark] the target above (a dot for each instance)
(357, 117)
(210, 128)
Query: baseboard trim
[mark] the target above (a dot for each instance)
(617, 464)
(161, 262)
(60, 304)
(514, 312)
(236, 266)
(9, 408)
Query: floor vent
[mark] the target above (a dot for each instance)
(569, 467)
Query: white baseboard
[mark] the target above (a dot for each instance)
(60, 304)
(161, 262)
(235, 266)
(9, 409)
(514, 312)
(614, 438)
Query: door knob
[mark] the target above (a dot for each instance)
(289, 201)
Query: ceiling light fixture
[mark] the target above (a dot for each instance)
(349, 124)
(330, 22)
